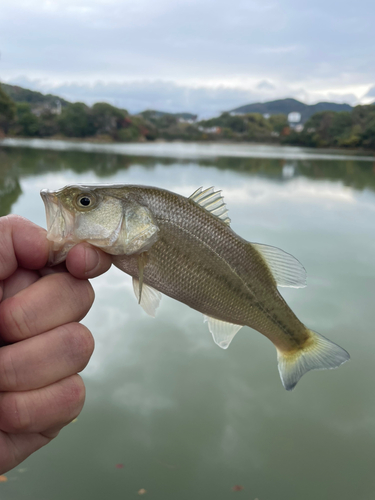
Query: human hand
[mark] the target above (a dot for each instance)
(43, 347)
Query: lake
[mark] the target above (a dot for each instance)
(169, 412)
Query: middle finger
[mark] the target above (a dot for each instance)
(52, 301)
(42, 360)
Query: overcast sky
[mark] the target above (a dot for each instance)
(203, 56)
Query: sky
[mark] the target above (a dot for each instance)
(199, 56)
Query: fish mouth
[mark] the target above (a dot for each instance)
(60, 228)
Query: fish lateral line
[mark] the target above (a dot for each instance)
(257, 303)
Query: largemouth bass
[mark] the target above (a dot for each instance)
(185, 248)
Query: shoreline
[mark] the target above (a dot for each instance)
(106, 139)
(189, 150)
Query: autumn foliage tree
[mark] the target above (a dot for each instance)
(7, 110)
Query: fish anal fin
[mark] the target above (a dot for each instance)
(149, 299)
(285, 268)
(213, 202)
(319, 354)
(222, 332)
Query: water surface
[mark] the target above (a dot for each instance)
(184, 418)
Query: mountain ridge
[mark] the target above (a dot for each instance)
(32, 97)
(278, 106)
(289, 105)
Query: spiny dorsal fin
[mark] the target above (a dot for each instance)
(285, 268)
(212, 201)
(222, 332)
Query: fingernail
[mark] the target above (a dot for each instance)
(92, 259)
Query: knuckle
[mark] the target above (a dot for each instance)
(14, 415)
(80, 292)
(8, 261)
(79, 343)
(16, 319)
(9, 219)
(8, 373)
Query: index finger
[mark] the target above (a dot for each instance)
(22, 244)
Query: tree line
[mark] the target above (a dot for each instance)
(102, 121)
(355, 129)
(75, 120)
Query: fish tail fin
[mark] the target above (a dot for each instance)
(319, 353)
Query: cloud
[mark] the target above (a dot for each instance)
(205, 100)
(186, 39)
(371, 92)
(136, 96)
(304, 48)
(265, 85)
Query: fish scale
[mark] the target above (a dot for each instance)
(207, 296)
(185, 248)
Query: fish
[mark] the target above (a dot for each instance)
(185, 248)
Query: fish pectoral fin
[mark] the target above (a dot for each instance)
(149, 299)
(286, 269)
(222, 332)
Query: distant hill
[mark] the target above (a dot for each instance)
(154, 114)
(286, 106)
(35, 99)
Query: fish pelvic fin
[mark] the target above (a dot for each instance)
(149, 299)
(142, 261)
(319, 354)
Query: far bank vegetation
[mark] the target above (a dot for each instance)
(36, 115)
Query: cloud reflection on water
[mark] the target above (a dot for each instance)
(160, 391)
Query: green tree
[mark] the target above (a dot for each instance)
(159, 119)
(278, 122)
(76, 120)
(7, 110)
(367, 137)
(7, 106)
(48, 124)
(258, 127)
(226, 120)
(27, 124)
(107, 119)
(129, 134)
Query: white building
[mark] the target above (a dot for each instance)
(294, 117)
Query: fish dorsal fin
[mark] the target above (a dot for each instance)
(212, 201)
(222, 332)
(285, 268)
(150, 298)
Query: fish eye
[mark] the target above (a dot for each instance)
(84, 200)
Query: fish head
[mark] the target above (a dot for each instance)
(108, 217)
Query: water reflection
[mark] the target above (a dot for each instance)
(186, 419)
(19, 163)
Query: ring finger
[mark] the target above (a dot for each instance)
(44, 359)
